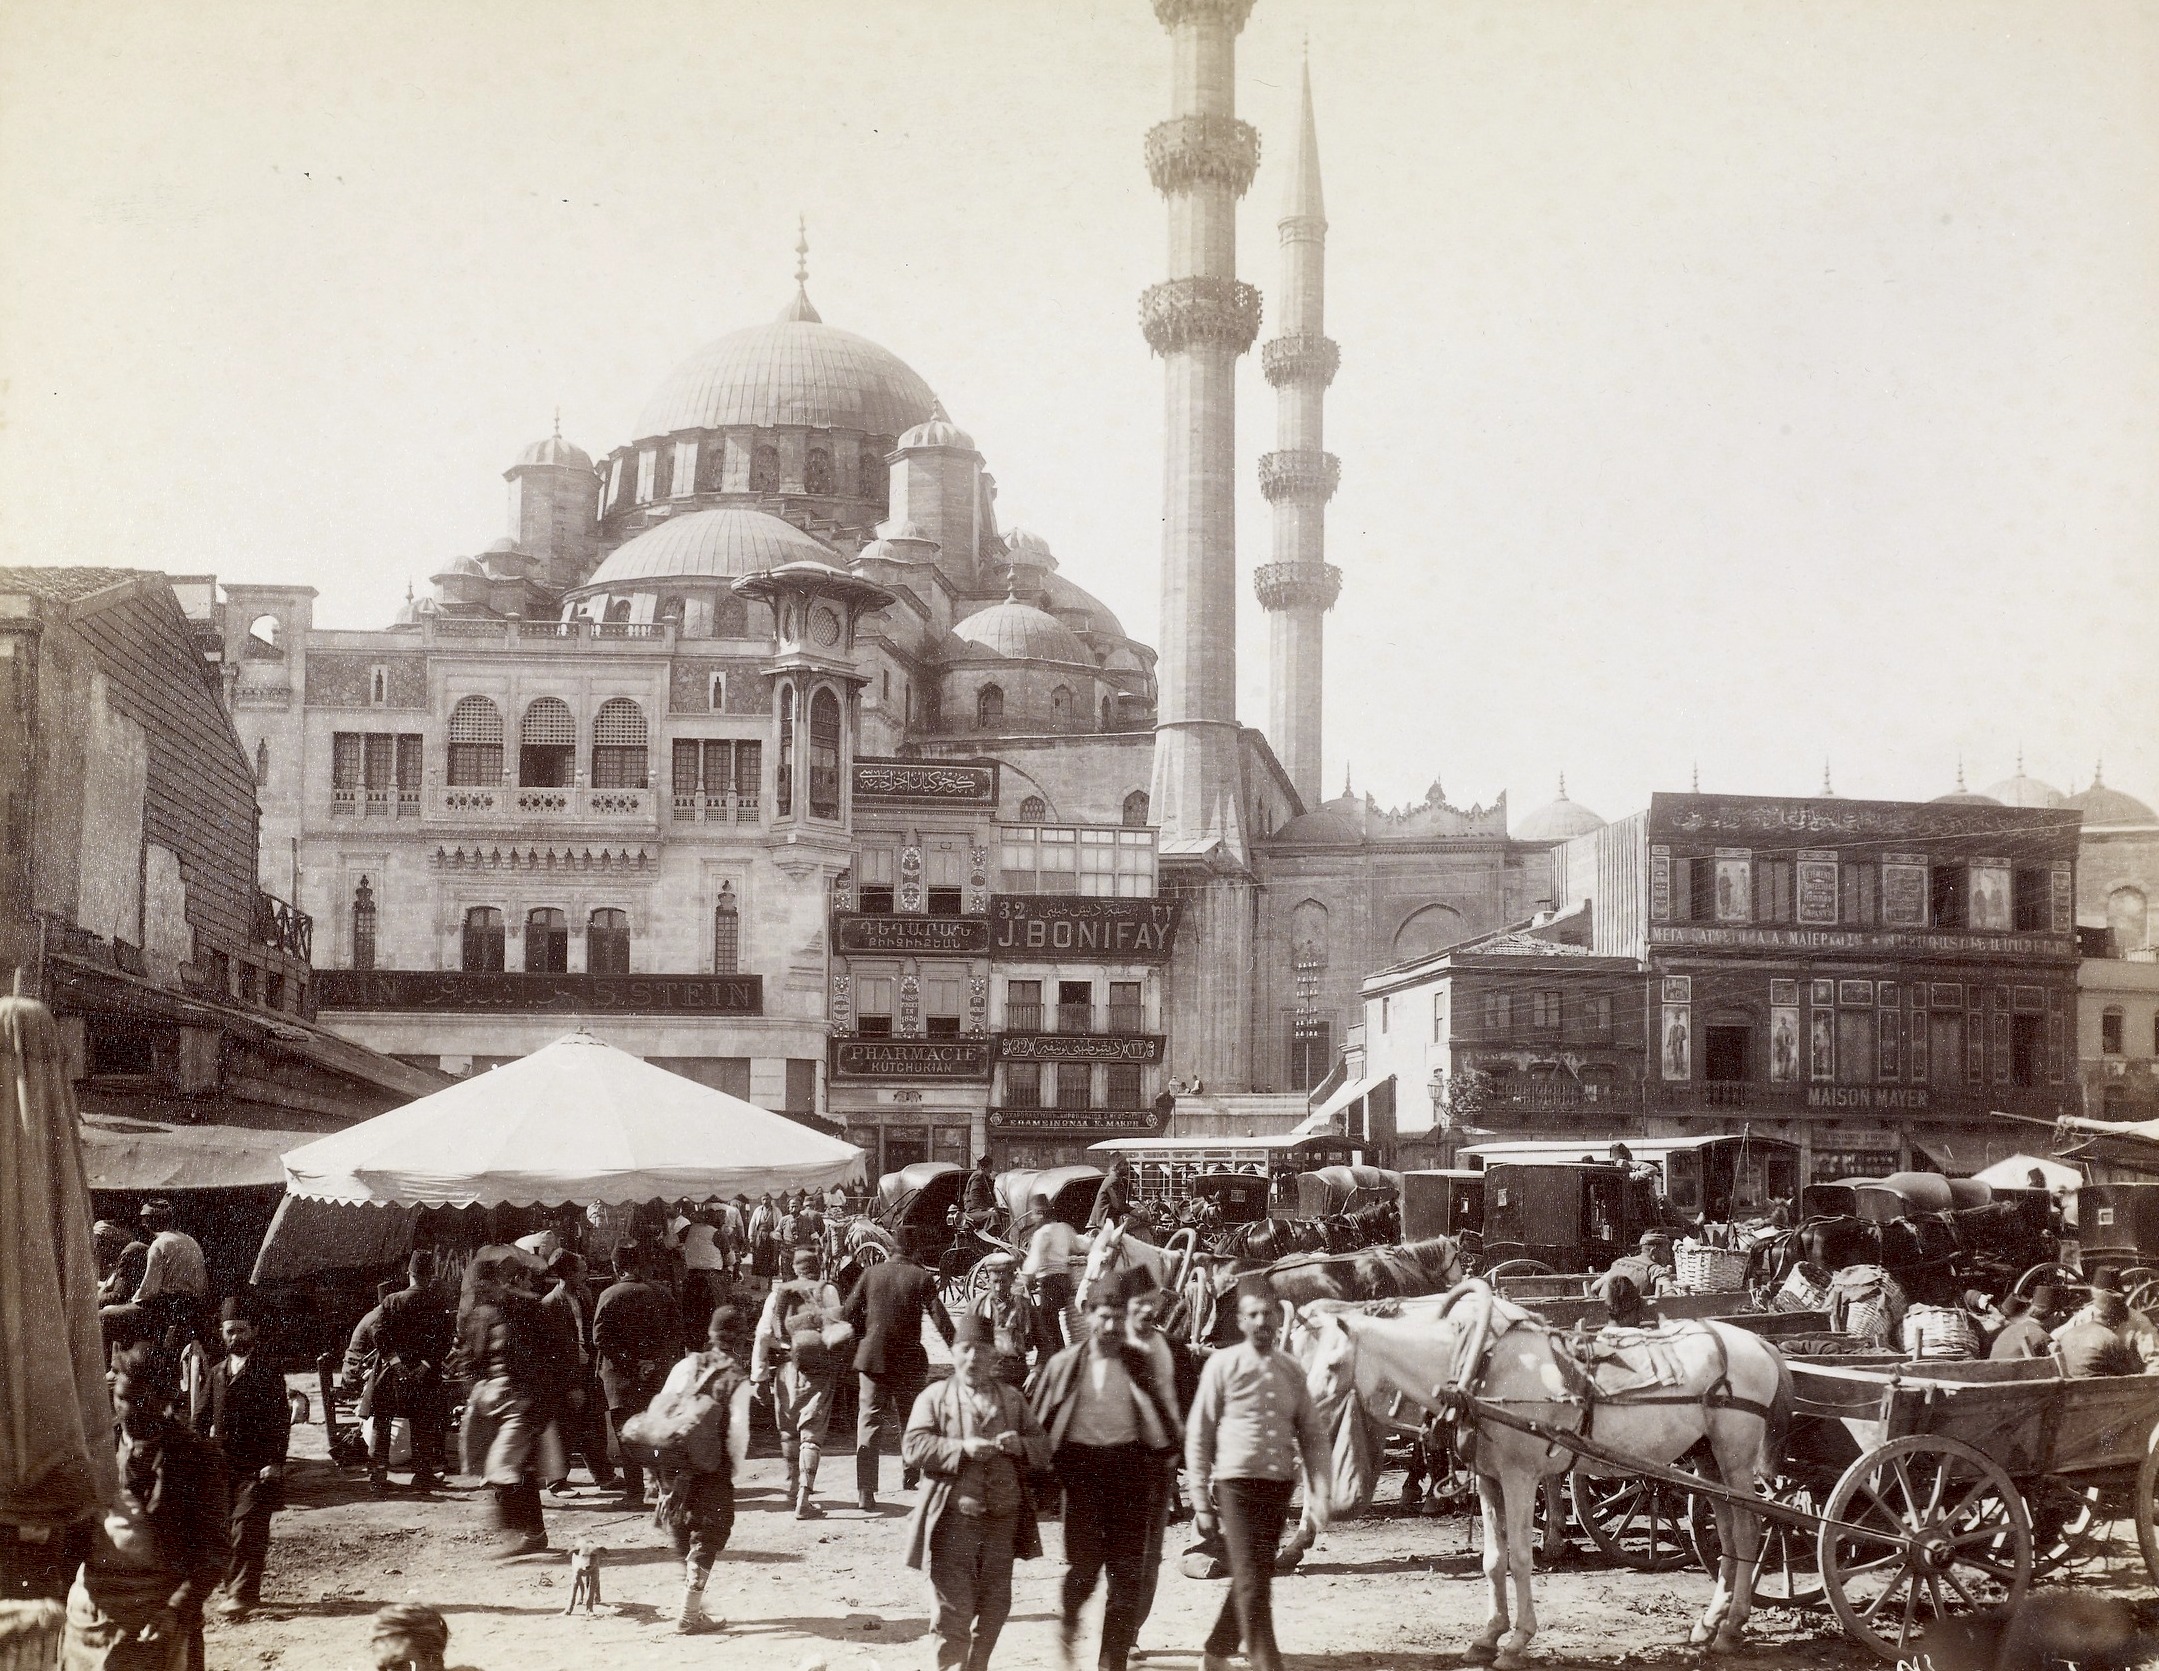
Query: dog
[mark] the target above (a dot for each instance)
(585, 1559)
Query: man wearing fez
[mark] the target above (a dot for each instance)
(1011, 1316)
(412, 1342)
(637, 1331)
(974, 1438)
(886, 1308)
(250, 1421)
(175, 1287)
(796, 1358)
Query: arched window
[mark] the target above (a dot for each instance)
(824, 755)
(547, 746)
(619, 610)
(783, 786)
(483, 940)
(1109, 713)
(619, 754)
(672, 609)
(1135, 810)
(2111, 1022)
(475, 742)
(1033, 810)
(765, 470)
(726, 933)
(875, 479)
(716, 695)
(363, 926)
(989, 707)
(712, 465)
(607, 942)
(817, 472)
(547, 941)
(262, 761)
(1061, 706)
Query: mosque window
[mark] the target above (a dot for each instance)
(547, 941)
(875, 479)
(648, 464)
(1034, 810)
(614, 483)
(765, 470)
(726, 933)
(483, 941)
(817, 471)
(378, 686)
(2110, 1031)
(1109, 714)
(607, 942)
(1135, 810)
(685, 476)
(783, 788)
(619, 754)
(262, 761)
(716, 693)
(619, 610)
(824, 755)
(547, 746)
(712, 466)
(989, 707)
(475, 742)
(363, 926)
(671, 608)
(1061, 706)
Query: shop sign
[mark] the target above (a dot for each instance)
(1094, 1122)
(1712, 936)
(458, 992)
(1868, 1098)
(962, 1059)
(1079, 1047)
(923, 936)
(1032, 927)
(948, 783)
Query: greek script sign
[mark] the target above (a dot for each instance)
(461, 993)
(1079, 1047)
(1033, 926)
(2052, 947)
(928, 936)
(964, 1059)
(926, 780)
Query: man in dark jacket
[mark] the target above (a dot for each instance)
(637, 1332)
(980, 1204)
(412, 1341)
(579, 1408)
(250, 1421)
(886, 1307)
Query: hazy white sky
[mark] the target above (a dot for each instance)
(1737, 382)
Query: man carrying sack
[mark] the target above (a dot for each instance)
(801, 1332)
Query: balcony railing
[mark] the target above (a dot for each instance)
(1075, 1018)
(1023, 1018)
(508, 804)
(715, 809)
(289, 929)
(1561, 1096)
(375, 803)
(1127, 1018)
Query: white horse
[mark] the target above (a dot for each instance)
(1702, 1380)
(1112, 1250)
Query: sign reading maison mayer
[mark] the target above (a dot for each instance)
(955, 783)
(1029, 926)
(457, 992)
(911, 1058)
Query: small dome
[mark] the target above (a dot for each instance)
(1961, 796)
(1024, 547)
(2024, 791)
(794, 371)
(938, 432)
(720, 544)
(1324, 828)
(1558, 820)
(2101, 805)
(501, 545)
(464, 565)
(554, 450)
(1020, 630)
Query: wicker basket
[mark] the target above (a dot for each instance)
(30, 1635)
(1710, 1270)
(1806, 1289)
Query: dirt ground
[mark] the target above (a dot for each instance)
(1389, 1590)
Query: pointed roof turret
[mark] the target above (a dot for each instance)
(1303, 199)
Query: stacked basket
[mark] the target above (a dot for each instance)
(1710, 1270)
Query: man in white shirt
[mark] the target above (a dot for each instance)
(175, 1286)
(1055, 1254)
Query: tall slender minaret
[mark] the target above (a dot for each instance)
(1202, 159)
(1300, 586)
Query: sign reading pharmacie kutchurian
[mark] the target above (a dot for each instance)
(1029, 927)
(945, 1059)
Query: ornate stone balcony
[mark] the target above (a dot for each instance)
(1188, 152)
(499, 806)
(1301, 474)
(1301, 359)
(1297, 585)
(1199, 313)
(1172, 13)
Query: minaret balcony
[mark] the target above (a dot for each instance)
(1189, 152)
(1301, 359)
(1302, 475)
(1199, 312)
(1173, 13)
(1297, 585)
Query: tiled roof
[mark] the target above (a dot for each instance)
(64, 585)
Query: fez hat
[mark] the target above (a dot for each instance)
(239, 1308)
(972, 1329)
(2044, 1299)
(805, 1255)
(2106, 1281)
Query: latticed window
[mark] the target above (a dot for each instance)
(1075, 1085)
(547, 745)
(1123, 1090)
(607, 942)
(817, 472)
(547, 941)
(619, 754)
(483, 940)
(363, 926)
(765, 470)
(475, 742)
(783, 787)
(989, 707)
(824, 755)
(726, 933)
(1135, 809)
(1033, 810)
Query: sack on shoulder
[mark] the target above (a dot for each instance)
(691, 1422)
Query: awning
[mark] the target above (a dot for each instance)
(1348, 1092)
(144, 1155)
(2015, 1172)
(1965, 1154)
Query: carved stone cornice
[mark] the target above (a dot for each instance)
(1188, 152)
(1171, 13)
(1301, 475)
(1297, 585)
(1301, 359)
(1199, 313)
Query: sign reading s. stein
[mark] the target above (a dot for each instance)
(1026, 927)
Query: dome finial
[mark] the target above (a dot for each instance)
(802, 250)
(1562, 785)
(2020, 760)
(1826, 787)
(2099, 773)
(1960, 772)
(558, 423)
(1346, 790)
(1695, 782)
(799, 311)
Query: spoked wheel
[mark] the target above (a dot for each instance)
(2147, 1509)
(1934, 1528)
(2056, 1275)
(1519, 1267)
(2069, 1523)
(1790, 1571)
(1637, 1522)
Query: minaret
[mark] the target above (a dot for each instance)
(1200, 320)
(1300, 586)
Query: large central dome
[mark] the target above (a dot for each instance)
(796, 370)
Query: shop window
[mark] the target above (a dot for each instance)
(1498, 1014)
(783, 789)
(1075, 1006)
(2110, 1032)
(873, 1006)
(1544, 1009)
(1127, 1007)
(619, 746)
(874, 865)
(945, 867)
(2027, 1049)
(483, 940)
(1694, 890)
(824, 755)
(363, 926)
(1023, 1084)
(726, 933)
(1597, 1012)
(547, 746)
(118, 1046)
(475, 742)
(547, 941)
(1724, 1054)
(1122, 1087)
(1772, 890)
(607, 942)
(989, 708)
(1855, 894)
(1023, 1006)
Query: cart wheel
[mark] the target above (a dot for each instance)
(1789, 1573)
(1935, 1528)
(1637, 1522)
(1519, 1267)
(2069, 1520)
(2049, 1273)
(2147, 1510)
(2144, 1295)
(870, 1253)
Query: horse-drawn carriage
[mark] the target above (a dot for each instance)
(1066, 1192)
(1543, 1218)
(1231, 1198)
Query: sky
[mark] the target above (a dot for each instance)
(1733, 386)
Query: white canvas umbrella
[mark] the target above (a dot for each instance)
(575, 1123)
(2015, 1172)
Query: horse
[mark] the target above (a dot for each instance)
(1699, 1381)
(1113, 1248)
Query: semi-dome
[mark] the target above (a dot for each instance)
(937, 432)
(1020, 630)
(554, 450)
(720, 544)
(1558, 820)
(796, 370)
(2101, 805)
(2024, 791)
